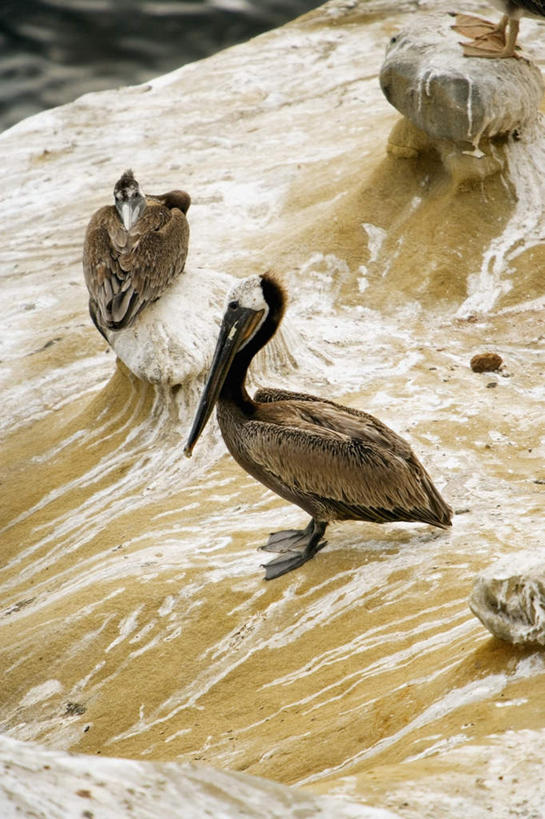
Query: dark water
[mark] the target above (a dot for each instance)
(52, 51)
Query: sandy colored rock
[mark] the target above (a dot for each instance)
(130, 582)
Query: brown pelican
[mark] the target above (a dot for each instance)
(133, 251)
(497, 40)
(335, 462)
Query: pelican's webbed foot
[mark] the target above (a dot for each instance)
(289, 539)
(296, 546)
(488, 39)
(474, 27)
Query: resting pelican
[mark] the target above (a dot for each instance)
(335, 462)
(497, 40)
(133, 251)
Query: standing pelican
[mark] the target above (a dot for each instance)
(497, 40)
(335, 462)
(133, 251)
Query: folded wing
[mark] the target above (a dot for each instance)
(347, 460)
(125, 271)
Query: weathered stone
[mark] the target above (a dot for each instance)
(406, 141)
(486, 362)
(171, 342)
(32, 775)
(509, 598)
(131, 581)
(452, 97)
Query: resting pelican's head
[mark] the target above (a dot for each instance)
(129, 199)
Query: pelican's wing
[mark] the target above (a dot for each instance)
(159, 250)
(112, 299)
(173, 199)
(347, 459)
(125, 271)
(267, 395)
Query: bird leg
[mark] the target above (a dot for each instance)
(296, 547)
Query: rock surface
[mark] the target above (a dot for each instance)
(134, 620)
(452, 97)
(32, 779)
(170, 341)
(509, 598)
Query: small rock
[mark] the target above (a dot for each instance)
(509, 598)
(486, 362)
(75, 709)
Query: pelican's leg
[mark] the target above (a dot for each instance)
(512, 34)
(296, 547)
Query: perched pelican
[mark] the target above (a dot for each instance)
(133, 251)
(497, 40)
(335, 462)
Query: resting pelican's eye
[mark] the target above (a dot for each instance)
(233, 305)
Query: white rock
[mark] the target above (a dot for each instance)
(33, 778)
(171, 340)
(449, 96)
(509, 598)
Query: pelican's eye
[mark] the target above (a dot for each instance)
(233, 305)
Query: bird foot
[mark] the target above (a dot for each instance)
(286, 541)
(488, 48)
(290, 560)
(488, 39)
(474, 27)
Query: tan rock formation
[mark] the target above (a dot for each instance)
(133, 620)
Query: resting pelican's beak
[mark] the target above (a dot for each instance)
(131, 210)
(238, 326)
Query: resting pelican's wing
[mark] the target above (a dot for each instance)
(157, 250)
(125, 271)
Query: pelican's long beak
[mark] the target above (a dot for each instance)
(237, 327)
(130, 211)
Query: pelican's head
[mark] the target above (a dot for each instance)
(248, 305)
(129, 199)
